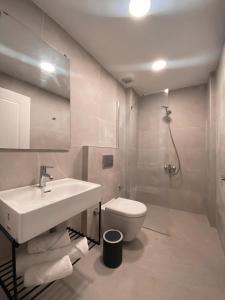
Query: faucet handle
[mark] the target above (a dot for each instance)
(49, 167)
(44, 175)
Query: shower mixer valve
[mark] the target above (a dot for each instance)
(170, 169)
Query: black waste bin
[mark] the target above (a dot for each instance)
(112, 248)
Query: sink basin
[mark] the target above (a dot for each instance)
(27, 211)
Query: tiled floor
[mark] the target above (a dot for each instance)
(187, 264)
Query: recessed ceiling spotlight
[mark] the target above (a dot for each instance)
(47, 67)
(159, 65)
(139, 8)
(166, 91)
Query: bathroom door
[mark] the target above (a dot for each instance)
(14, 120)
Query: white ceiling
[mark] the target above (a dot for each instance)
(189, 34)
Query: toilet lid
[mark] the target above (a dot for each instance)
(126, 207)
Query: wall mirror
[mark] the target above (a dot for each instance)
(34, 90)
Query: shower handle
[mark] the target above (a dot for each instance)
(171, 169)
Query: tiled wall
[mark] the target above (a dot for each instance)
(111, 179)
(211, 143)
(186, 191)
(94, 97)
(220, 148)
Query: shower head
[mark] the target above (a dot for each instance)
(168, 112)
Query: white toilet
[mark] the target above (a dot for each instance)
(125, 215)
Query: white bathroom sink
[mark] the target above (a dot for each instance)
(27, 211)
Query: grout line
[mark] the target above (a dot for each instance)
(148, 228)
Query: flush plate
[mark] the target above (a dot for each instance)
(107, 161)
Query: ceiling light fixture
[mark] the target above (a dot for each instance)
(166, 91)
(139, 8)
(47, 67)
(159, 65)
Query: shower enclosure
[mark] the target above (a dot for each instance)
(171, 149)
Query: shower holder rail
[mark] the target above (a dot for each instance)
(13, 285)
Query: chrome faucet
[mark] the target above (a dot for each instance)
(43, 176)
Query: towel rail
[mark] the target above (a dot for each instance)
(13, 285)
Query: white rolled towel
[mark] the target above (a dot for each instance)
(48, 272)
(25, 260)
(48, 241)
(81, 247)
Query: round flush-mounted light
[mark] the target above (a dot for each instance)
(139, 8)
(166, 91)
(159, 65)
(47, 67)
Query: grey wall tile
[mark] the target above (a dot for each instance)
(217, 149)
(186, 191)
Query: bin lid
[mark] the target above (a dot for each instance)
(113, 236)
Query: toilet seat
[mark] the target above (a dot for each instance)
(126, 207)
